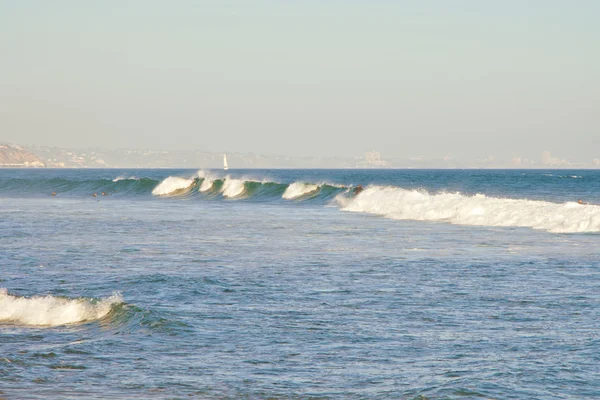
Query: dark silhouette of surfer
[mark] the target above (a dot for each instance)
(358, 189)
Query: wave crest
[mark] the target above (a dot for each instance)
(171, 185)
(207, 184)
(208, 181)
(53, 311)
(299, 189)
(456, 208)
(233, 188)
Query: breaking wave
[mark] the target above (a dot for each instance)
(53, 311)
(389, 201)
(207, 180)
(206, 185)
(456, 208)
(233, 188)
(171, 185)
(299, 189)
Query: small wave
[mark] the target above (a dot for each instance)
(53, 311)
(565, 176)
(126, 178)
(456, 208)
(299, 189)
(171, 185)
(336, 185)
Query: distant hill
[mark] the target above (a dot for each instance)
(16, 156)
(12, 156)
(56, 157)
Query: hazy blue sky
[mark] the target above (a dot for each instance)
(314, 77)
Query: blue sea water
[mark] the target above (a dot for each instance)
(428, 284)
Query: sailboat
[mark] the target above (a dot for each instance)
(225, 166)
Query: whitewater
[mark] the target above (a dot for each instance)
(172, 283)
(53, 311)
(455, 208)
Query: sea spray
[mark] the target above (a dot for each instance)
(207, 179)
(53, 311)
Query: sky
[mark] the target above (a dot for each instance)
(458, 78)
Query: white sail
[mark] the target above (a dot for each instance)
(225, 166)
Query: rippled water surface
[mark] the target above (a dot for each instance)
(426, 285)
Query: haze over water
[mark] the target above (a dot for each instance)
(463, 79)
(287, 284)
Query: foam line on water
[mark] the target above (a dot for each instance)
(456, 208)
(53, 311)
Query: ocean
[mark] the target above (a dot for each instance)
(254, 284)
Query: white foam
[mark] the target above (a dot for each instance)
(455, 208)
(299, 189)
(172, 184)
(208, 181)
(335, 185)
(206, 185)
(342, 200)
(53, 311)
(203, 174)
(233, 188)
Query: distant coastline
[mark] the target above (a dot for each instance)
(21, 156)
(14, 156)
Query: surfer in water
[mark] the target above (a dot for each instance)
(582, 202)
(358, 189)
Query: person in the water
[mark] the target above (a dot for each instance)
(582, 202)
(358, 189)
